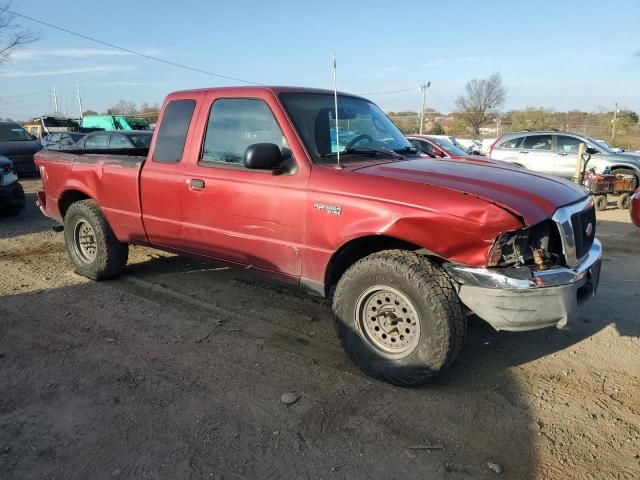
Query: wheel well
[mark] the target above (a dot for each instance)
(69, 197)
(359, 248)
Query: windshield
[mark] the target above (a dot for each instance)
(600, 145)
(13, 133)
(448, 147)
(362, 127)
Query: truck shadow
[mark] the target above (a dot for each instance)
(165, 358)
(116, 379)
(477, 404)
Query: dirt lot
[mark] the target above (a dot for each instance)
(176, 371)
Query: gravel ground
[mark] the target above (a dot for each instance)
(177, 369)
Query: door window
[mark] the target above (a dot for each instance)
(568, 144)
(234, 124)
(537, 142)
(172, 133)
(97, 141)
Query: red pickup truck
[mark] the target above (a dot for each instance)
(337, 201)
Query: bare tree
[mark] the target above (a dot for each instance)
(12, 34)
(123, 107)
(482, 98)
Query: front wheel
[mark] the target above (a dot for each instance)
(601, 202)
(92, 246)
(399, 317)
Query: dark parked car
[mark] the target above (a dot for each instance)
(61, 140)
(18, 146)
(11, 193)
(117, 140)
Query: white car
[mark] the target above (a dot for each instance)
(470, 146)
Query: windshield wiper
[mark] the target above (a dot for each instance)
(406, 150)
(357, 150)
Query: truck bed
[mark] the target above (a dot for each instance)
(112, 180)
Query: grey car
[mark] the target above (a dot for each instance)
(556, 153)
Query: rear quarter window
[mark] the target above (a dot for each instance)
(172, 133)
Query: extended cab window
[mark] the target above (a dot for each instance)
(236, 123)
(172, 133)
(537, 142)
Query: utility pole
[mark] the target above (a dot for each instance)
(54, 95)
(79, 97)
(423, 89)
(614, 121)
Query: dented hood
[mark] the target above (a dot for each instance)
(532, 196)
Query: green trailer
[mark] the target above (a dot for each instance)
(114, 122)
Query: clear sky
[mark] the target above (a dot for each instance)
(556, 54)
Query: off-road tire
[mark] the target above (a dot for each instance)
(16, 202)
(110, 254)
(432, 295)
(601, 202)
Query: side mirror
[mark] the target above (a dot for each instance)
(591, 151)
(438, 153)
(263, 156)
(33, 137)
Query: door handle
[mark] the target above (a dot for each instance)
(564, 154)
(524, 152)
(196, 183)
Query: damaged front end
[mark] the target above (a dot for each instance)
(533, 277)
(539, 245)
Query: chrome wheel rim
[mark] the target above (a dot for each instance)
(388, 321)
(84, 241)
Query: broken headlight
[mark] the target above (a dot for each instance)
(538, 245)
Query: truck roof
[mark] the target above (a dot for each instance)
(248, 90)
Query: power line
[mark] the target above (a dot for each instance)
(133, 52)
(389, 91)
(445, 104)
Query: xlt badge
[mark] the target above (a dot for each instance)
(332, 209)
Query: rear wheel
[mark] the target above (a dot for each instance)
(623, 201)
(92, 246)
(398, 317)
(601, 202)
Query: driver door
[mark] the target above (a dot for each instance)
(250, 217)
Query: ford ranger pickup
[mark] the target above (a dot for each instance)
(336, 200)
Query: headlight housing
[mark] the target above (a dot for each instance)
(538, 245)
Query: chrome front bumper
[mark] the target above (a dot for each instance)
(527, 299)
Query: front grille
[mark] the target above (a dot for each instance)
(584, 230)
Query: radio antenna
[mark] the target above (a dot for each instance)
(335, 99)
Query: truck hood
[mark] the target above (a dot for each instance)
(532, 196)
